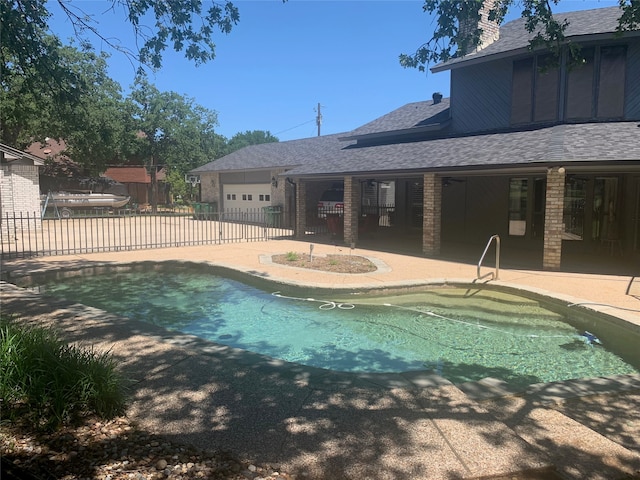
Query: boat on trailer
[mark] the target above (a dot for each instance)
(68, 201)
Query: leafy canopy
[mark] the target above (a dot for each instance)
(175, 132)
(249, 137)
(84, 107)
(187, 26)
(450, 39)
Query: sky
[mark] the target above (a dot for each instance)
(283, 59)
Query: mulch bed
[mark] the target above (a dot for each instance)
(327, 263)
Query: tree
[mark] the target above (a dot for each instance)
(249, 137)
(450, 38)
(183, 24)
(85, 108)
(175, 133)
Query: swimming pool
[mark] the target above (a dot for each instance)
(462, 334)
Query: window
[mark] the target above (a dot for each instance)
(591, 90)
(518, 193)
(580, 83)
(233, 196)
(249, 197)
(604, 225)
(244, 196)
(575, 196)
(267, 198)
(521, 88)
(595, 89)
(546, 90)
(534, 90)
(261, 198)
(611, 82)
(228, 196)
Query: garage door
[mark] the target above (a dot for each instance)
(247, 196)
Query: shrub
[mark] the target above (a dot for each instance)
(48, 382)
(292, 257)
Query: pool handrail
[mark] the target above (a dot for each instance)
(494, 276)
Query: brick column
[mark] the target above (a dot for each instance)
(351, 210)
(431, 215)
(553, 224)
(301, 209)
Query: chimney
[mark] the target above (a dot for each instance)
(437, 98)
(490, 30)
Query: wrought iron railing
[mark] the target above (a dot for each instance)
(29, 234)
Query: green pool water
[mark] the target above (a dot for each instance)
(462, 334)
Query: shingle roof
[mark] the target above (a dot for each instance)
(590, 142)
(307, 150)
(593, 142)
(409, 116)
(139, 174)
(128, 174)
(50, 149)
(514, 37)
(277, 154)
(11, 154)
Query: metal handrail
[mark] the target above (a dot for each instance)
(494, 275)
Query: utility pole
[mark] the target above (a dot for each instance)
(319, 119)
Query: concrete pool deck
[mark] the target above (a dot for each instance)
(331, 425)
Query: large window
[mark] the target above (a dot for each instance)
(518, 194)
(605, 209)
(611, 82)
(522, 91)
(592, 90)
(526, 207)
(580, 84)
(534, 90)
(595, 89)
(575, 197)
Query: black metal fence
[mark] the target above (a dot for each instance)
(29, 235)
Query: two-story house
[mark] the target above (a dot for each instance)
(547, 157)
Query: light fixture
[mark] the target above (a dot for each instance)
(274, 182)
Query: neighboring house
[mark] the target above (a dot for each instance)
(19, 187)
(547, 159)
(137, 181)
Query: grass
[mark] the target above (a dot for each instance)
(49, 383)
(292, 257)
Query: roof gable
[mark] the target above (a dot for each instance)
(10, 154)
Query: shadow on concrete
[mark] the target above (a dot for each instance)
(324, 424)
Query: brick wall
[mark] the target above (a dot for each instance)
(6, 191)
(490, 29)
(210, 188)
(432, 213)
(20, 193)
(301, 210)
(278, 192)
(553, 224)
(351, 210)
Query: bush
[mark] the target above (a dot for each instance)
(47, 382)
(292, 257)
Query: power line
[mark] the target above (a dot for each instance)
(297, 126)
